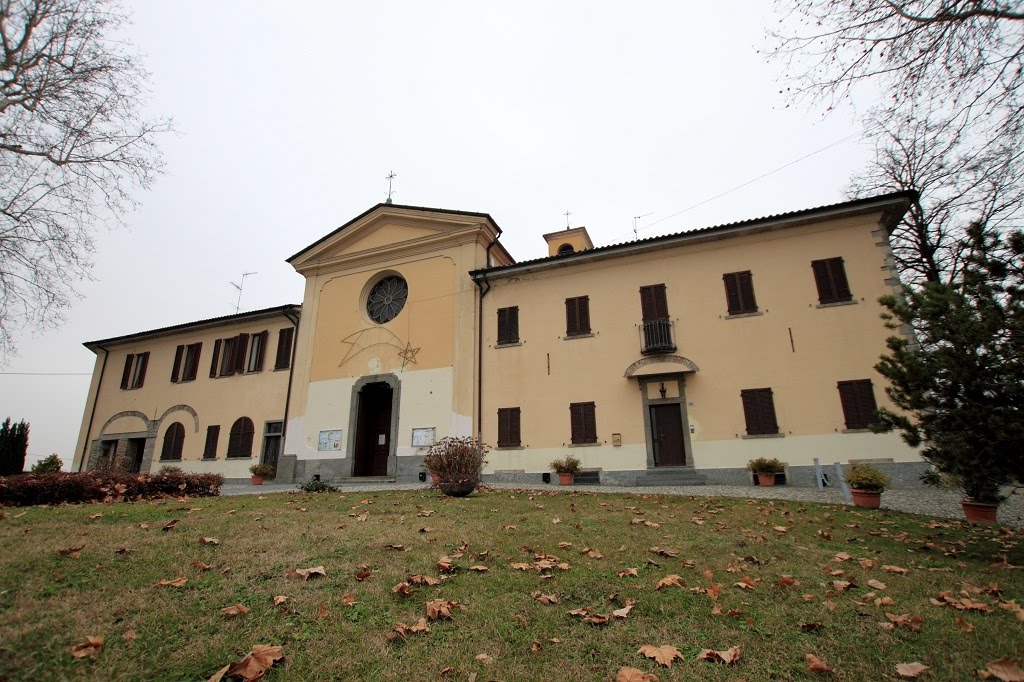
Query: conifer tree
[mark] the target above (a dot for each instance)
(13, 447)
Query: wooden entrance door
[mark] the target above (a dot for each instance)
(136, 451)
(373, 431)
(667, 434)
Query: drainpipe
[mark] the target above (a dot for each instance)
(291, 374)
(92, 415)
(480, 345)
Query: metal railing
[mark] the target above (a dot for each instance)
(656, 337)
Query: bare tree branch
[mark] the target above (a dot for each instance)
(73, 148)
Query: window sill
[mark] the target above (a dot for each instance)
(584, 445)
(837, 304)
(239, 457)
(569, 337)
(737, 316)
(762, 435)
(866, 429)
(510, 447)
(209, 459)
(281, 369)
(510, 344)
(170, 459)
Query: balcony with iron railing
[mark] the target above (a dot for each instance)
(656, 336)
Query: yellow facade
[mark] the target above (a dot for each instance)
(640, 351)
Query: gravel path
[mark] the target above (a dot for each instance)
(926, 501)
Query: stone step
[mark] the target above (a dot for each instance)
(670, 476)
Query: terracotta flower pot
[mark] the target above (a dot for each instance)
(257, 480)
(435, 478)
(866, 498)
(766, 480)
(979, 512)
(565, 479)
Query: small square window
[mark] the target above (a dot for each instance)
(739, 292)
(577, 316)
(830, 278)
(759, 411)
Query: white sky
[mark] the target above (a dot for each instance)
(291, 114)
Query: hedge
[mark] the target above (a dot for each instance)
(103, 486)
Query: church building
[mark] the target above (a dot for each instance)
(668, 360)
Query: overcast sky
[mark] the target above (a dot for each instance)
(289, 116)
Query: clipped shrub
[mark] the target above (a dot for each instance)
(763, 465)
(51, 464)
(312, 486)
(170, 468)
(866, 477)
(458, 461)
(262, 470)
(566, 465)
(98, 486)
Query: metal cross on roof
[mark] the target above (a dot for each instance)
(567, 214)
(390, 176)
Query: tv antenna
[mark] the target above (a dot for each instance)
(238, 303)
(389, 177)
(636, 235)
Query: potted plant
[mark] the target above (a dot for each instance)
(979, 487)
(765, 469)
(455, 463)
(566, 469)
(260, 472)
(866, 485)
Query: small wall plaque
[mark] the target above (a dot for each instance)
(423, 438)
(329, 440)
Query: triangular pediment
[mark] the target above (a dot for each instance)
(388, 227)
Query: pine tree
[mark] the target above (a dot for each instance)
(961, 380)
(13, 447)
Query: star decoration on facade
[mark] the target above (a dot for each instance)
(408, 354)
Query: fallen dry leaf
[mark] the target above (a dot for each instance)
(664, 654)
(423, 580)
(236, 610)
(484, 658)
(363, 574)
(633, 675)
(747, 583)
(729, 656)
(899, 570)
(402, 588)
(440, 608)
(628, 572)
(910, 670)
(255, 664)
(816, 665)
(479, 569)
(130, 635)
(875, 584)
(906, 621)
(348, 600)
(669, 581)
(321, 611)
(89, 648)
(1006, 669)
(209, 541)
(545, 598)
(201, 566)
(72, 552)
(280, 599)
(170, 525)
(623, 612)
(308, 573)
(176, 582)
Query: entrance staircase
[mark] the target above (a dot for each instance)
(670, 476)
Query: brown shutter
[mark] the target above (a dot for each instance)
(215, 358)
(261, 351)
(589, 423)
(503, 334)
(247, 433)
(194, 368)
(212, 436)
(767, 410)
(851, 409)
(822, 281)
(572, 327)
(127, 374)
(144, 359)
(653, 303)
(241, 346)
(576, 422)
(513, 428)
(751, 415)
(583, 306)
(503, 428)
(866, 402)
(839, 283)
(732, 293)
(748, 304)
(177, 363)
(759, 411)
(284, 348)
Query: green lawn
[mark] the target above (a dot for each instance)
(50, 601)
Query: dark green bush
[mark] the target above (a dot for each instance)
(51, 464)
(312, 486)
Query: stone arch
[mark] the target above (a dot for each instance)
(688, 365)
(147, 425)
(179, 408)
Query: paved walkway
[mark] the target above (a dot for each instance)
(927, 501)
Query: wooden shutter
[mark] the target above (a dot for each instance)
(583, 306)
(144, 359)
(653, 303)
(241, 346)
(192, 355)
(572, 323)
(576, 422)
(508, 427)
(583, 423)
(732, 293)
(227, 361)
(174, 441)
(127, 374)
(589, 423)
(513, 427)
(838, 273)
(215, 358)
(284, 348)
(212, 436)
(759, 411)
(177, 363)
(508, 325)
(748, 304)
(830, 278)
(858, 401)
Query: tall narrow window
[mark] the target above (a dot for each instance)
(858, 401)
(238, 354)
(257, 347)
(577, 316)
(176, 367)
(284, 348)
(174, 441)
(656, 325)
(190, 368)
(508, 427)
(759, 411)
(134, 374)
(240, 439)
(215, 358)
(739, 292)
(653, 303)
(583, 423)
(830, 278)
(508, 325)
(212, 436)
